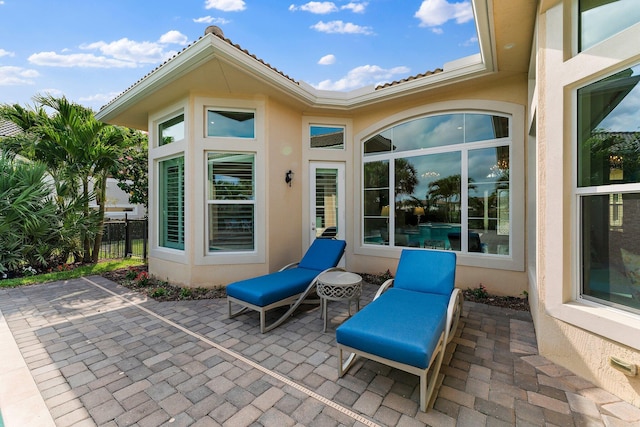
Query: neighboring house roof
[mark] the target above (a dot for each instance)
(8, 128)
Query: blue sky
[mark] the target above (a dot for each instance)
(89, 51)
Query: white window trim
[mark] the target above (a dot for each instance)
(204, 144)
(515, 260)
(326, 125)
(563, 302)
(158, 153)
(214, 108)
(252, 202)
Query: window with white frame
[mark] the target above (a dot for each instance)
(440, 182)
(231, 201)
(326, 137)
(230, 123)
(601, 19)
(171, 206)
(171, 130)
(608, 189)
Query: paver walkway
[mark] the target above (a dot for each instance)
(89, 352)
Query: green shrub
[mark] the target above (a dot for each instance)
(30, 228)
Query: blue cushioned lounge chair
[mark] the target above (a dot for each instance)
(289, 286)
(409, 322)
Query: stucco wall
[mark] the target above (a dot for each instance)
(573, 333)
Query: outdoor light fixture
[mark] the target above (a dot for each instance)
(288, 177)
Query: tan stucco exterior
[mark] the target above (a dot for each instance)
(529, 75)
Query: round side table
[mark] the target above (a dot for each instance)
(338, 286)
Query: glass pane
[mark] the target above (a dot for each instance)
(608, 136)
(238, 124)
(231, 176)
(172, 203)
(483, 127)
(380, 143)
(171, 130)
(600, 19)
(427, 200)
(611, 249)
(326, 202)
(428, 132)
(488, 189)
(231, 227)
(376, 203)
(327, 137)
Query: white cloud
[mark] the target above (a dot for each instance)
(173, 37)
(13, 76)
(81, 60)
(317, 7)
(472, 41)
(132, 51)
(225, 5)
(327, 60)
(123, 53)
(362, 76)
(341, 28)
(356, 7)
(5, 53)
(102, 98)
(324, 7)
(433, 13)
(210, 20)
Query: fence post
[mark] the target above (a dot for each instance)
(127, 238)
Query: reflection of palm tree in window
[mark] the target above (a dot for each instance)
(448, 191)
(406, 177)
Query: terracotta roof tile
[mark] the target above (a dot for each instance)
(8, 128)
(245, 51)
(410, 78)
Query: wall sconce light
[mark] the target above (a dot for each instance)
(288, 177)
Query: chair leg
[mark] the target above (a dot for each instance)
(343, 366)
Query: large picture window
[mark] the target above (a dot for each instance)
(440, 182)
(608, 189)
(171, 215)
(231, 201)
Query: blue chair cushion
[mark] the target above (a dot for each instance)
(323, 254)
(426, 271)
(264, 290)
(388, 326)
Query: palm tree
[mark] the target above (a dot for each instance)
(78, 150)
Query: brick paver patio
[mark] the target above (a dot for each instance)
(89, 352)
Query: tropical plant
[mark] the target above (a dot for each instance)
(30, 236)
(79, 153)
(132, 173)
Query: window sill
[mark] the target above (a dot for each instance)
(607, 322)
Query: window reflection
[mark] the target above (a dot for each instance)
(608, 176)
(171, 130)
(435, 201)
(327, 137)
(231, 124)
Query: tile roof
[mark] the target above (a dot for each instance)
(8, 128)
(266, 64)
(187, 47)
(410, 78)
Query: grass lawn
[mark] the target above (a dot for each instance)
(83, 270)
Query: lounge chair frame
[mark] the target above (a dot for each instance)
(294, 301)
(428, 386)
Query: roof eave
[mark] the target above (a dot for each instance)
(210, 46)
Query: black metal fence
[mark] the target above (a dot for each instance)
(123, 239)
